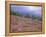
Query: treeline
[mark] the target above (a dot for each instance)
(26, 16)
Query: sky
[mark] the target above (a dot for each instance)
(35, 10)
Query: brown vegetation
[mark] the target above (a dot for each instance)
(21, 24)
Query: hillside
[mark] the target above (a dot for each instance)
(21, 24)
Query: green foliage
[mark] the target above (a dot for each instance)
(15, 13)
(36, 18)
